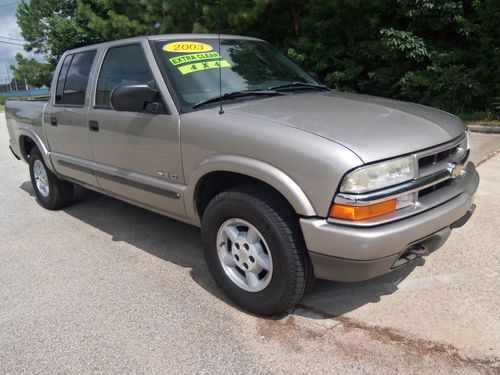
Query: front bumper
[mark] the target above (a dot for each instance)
(352, 253)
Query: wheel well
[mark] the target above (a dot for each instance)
(216, 182)
(26, 145)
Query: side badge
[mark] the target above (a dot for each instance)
(169, 175)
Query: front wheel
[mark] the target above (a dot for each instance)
(51, 192)
(254, 249)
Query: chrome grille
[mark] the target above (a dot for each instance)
(433, 188)
(439, 158)
(436, 158)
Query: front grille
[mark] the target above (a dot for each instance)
(433, 188)
(438, 159)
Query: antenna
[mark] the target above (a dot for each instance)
(221, 110)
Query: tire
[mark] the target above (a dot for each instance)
(248, 213)
(51, 192)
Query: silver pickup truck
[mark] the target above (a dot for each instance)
(287, 179)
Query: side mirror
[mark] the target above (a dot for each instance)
(135, 97)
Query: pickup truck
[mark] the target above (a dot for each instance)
(289, 180)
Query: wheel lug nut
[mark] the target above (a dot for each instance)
(246, 246)
(252, 259)
(237, 245)
(236, 257)
(245, 265)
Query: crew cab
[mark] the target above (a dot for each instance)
(288, 179)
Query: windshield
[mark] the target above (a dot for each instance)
(192, 67)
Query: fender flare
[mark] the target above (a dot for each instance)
(252, 168)
(27, 132)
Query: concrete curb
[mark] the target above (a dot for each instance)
(494, 129)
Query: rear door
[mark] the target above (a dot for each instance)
(66, 119)
(137, 154)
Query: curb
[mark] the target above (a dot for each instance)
(492, 129)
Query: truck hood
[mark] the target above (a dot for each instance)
(372, 127)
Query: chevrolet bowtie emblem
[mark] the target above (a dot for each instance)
(454, 169)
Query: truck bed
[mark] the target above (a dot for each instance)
(24, 117)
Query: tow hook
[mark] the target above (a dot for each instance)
(413, 252)
(418, 250)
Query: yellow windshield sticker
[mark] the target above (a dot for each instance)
(194, 57)
(184, 47)
(191, 68)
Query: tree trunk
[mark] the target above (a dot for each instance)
(294, 8)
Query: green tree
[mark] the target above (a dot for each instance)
(438, 52)
(35, 73)
(445, 53)
(117, 19)
(50, 27)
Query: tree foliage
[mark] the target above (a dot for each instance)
(52, 26)
(445, 53)
(35, 73)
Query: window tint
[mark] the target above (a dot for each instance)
(125, 64)
(77, 78)
(61, 78)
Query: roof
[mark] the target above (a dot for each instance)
(166, 37)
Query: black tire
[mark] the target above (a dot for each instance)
(60, 193)
(278, 223)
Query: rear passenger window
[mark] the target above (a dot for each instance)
(61, 78)
(77, 77)
(126, 64)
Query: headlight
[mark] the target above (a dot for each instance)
(380, 175)
(467, 135)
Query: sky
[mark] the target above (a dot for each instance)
(9, 29)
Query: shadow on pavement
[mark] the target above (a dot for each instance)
(180, 244)
(336, 299)
(158, 235)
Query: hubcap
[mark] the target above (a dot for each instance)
(244, 255)
(41, 179)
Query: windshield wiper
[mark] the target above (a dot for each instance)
(300, 85)
(237, 94)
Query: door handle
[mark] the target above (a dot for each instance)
(93, 126)
(53, 121)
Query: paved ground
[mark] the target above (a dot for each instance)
(105, 287)
(484, 146)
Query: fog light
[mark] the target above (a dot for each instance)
(406, 200)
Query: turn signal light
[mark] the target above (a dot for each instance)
(344, 212)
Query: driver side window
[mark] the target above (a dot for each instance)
(121, 65)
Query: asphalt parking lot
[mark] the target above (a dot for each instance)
(106, 287)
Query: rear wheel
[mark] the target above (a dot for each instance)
(51, 192)
(254, 249)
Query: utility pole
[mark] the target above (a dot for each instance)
(26, 84)
(8, 77)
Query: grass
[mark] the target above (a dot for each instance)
(481, 118)
(2, 108)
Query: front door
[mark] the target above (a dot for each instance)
(66, 119)
(137, 155)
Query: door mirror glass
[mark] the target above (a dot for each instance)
(137, 97)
